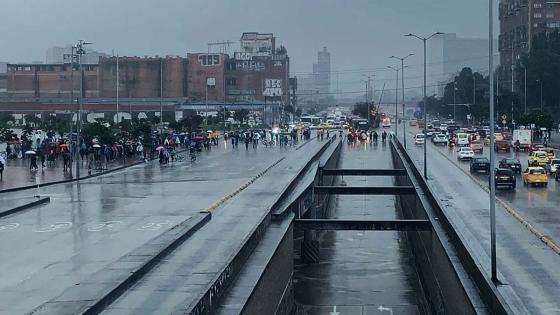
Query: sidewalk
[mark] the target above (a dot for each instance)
(17, 173)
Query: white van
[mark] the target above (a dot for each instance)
(462, 139)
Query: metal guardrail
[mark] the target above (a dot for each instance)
(363, 225)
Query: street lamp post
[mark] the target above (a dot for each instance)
(454, 101)
(402, 81)
(368, 87)
(525, 90)
(424, 40)
(396, 100)
(541, 83)
(492, 154)
(80, 50)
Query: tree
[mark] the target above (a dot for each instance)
(289, 109)
(240, 115)
(7, 135)
(98, 130)
(31, 119)
(298, 112)
(6, 118)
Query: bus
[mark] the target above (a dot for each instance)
(360, 124)
(312, 120)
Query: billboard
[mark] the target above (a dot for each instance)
(272, 87)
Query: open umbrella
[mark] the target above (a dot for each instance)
(30, 152)
(96, 146)
(160, 148)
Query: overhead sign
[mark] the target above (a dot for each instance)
(272, 87)
(211, 81)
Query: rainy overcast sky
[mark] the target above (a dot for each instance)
(360, 34)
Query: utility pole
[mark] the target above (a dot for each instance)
(396, 100)
(118, 120)
(424, 40)
(492, 154)
(367, 97)
(80, 50)
(512, 82)
(454, 100)
(161, 97)
(403, 103)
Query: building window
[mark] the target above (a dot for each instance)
(537, 5)
(27, 68)
(553, 24)
(549, 15)
(536, 25)
(231, 81)
(537, 15)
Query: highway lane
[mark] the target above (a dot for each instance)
(91, 223)
(526, 265)
(538, 205)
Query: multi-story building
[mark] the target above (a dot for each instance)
(3, 77)
(205, 77)
(147, 77)
(258, 43)
(323, 72)
(449, 54)
(520, 21)
(50, 80)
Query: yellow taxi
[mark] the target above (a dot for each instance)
(326, 126)
(535, 175)
(497, 137)
(550, 153)
(538, 158)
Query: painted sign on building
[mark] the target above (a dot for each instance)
(272, 87)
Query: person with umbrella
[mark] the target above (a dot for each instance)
(33, 158)
(161, 154)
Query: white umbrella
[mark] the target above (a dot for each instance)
(30, 152)
(160, 148)
(96, 146)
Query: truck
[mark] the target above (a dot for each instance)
(524, 138)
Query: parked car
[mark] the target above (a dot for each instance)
(513, 164)
(537, 158)
(535, 175)
(440, 138)
(480, 164)
(502, 145)
(477, 146)
(554, 166)
(504, 177)
(465, 153)
(535, 146)
(419, 138)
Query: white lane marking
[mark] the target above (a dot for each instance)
(9, 226)
(96, 227)
(152, 226)
(53, 227)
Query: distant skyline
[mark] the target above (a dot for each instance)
(359, 34)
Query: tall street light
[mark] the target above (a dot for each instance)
(402, 81)
(492, 154)
(541, 82)
(396, 100)
(424, 40)
(368, 87)
(80, 51)
(525, 89)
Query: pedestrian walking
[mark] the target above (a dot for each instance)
(2, 166)
(33, 162)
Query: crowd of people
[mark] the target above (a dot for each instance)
(354, 136)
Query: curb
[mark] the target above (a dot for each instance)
(80, 295)
(545, 239)
(39, 201)
(64, 181)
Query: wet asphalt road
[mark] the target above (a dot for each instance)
(526, 266)
(537, 204)
(91, 223)
(359, 271)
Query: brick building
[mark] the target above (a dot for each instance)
(203, 69)
(140, 77)
(520, 20)
(50, 80)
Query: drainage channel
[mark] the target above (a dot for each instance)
(360, 272)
